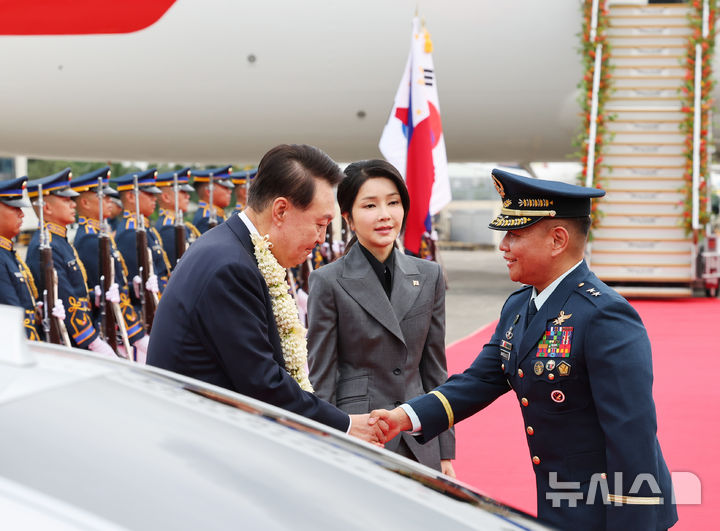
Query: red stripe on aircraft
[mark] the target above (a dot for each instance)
(79, 17)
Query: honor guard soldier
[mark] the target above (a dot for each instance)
(176, 233)
(578, 358)
(241, 180)
(214, 187)
(138, 194)
(115, 216)
(17, 286)
(105, 267)
(60, 274)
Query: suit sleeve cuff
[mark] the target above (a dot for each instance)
(416, 427)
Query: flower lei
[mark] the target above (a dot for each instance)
(292, 333)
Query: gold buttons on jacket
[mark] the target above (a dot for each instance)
(521, 373)
(536, 460)
(502, 366)
(524, 401)
(530, 430)
(581, 284)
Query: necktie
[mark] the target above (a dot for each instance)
(532, 310)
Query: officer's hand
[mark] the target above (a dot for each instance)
(141, 346)
(390, 422)
(137, 283)
(447, 468)
(113, 294)
(98, 346)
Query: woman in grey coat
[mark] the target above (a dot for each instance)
(376, 317)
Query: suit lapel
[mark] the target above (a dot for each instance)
(406, 285)
(241, 232)
(550, 310)
(359, 281)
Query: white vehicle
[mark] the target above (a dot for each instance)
(93, 443)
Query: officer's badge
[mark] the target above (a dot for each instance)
(550, 365)
(555, 343)
(562, 318)
(505, 348)
(538, 368)
(557, 396)
(563, 368)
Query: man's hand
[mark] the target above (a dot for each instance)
(362, 430)
(390, 422)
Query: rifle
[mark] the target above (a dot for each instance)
(107, 275)
(148, 299)
(179, 225)
(212, 222)
(55, 331)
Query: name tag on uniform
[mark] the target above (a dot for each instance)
(505, 348)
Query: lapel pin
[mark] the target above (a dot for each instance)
(416, 283)
(562, 318)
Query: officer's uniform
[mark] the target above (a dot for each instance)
(582, 373)
(126, 240)
(88, 247)
(165, 223)
(220, 176)
(17, 286)
(71, 276)
(242, 180)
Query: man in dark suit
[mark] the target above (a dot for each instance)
(578, 358)
(215, 321)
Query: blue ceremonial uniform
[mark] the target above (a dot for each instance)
(590, 413)
(215, 323)
(581, 368)
(220, 177)
(125, 239)
(87, 245)
(165, 226)
(201, 219)
(17, 287)
(71, 281)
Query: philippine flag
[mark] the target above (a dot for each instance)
(413, 139)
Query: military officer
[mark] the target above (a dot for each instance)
(88, 248)
(241, 180)
(17, 286)
(221, 192)
(126, 238)
(578, 358)
(165, 224)
(58, 212)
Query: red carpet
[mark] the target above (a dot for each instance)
(492, 454)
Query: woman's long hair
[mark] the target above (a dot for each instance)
(356, 174)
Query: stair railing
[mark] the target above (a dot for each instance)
(697, 121)
(595, 90)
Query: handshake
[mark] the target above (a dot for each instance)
(380, 425)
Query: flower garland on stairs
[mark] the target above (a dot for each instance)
(688, 109)
(587, 51)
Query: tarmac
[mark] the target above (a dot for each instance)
(478, 285)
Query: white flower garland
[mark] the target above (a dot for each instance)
(292, 333)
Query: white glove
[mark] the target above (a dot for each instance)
(152, 284)
(113, 294)
(98, 295)
(137, 282)
(302, 299)
(59, 310)
(100, 347)
(338, 248)
(325, 247)
(141, 346)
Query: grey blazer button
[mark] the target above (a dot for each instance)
(396, 371)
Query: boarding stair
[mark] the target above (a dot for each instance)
(639, 244)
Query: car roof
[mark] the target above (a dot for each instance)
(113, 444)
